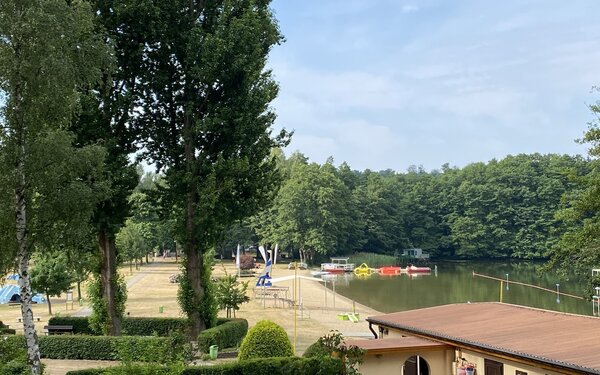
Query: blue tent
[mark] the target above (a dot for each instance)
(11, 293)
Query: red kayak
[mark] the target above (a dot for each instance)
(389, 270)
(415, 269)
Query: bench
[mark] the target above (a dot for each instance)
(58, 330)
(20, 320)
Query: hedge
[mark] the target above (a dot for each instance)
(229, 333)
(109, 348)
(5, 330)
(263, 366)
(136, 326)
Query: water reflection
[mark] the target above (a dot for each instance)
(453, 282)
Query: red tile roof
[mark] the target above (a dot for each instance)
(396, 344)
(562, 340)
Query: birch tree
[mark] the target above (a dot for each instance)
(48, 51)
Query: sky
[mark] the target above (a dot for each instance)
(389, 84)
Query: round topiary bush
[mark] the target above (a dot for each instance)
(317, 349)
(266, 339)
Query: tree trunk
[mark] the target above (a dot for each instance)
(195, 263)
(194, 268)
(108, 276)
(78, 290)
(49, 304)
(33, 349)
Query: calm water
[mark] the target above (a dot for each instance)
(454, 283)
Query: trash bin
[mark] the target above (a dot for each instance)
(160, 309)
(214, 349)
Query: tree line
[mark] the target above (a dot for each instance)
(500, 209)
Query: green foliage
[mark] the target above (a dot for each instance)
(311, 212)
(108, 348)
(99, 318)
(153, 326)
(4, 330)
(577, 249)
(230, 293)
(51, 274)
(132, 241)
(205, 305)
(266, 339)
(172, 349)
(228, 334)
(352, 355)
(317, 349)
(268, 366)
(212, 137)
(132, 326)
(13, 357)
(372, 259)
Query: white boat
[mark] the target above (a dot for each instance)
(338, 265)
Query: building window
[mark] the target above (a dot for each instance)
(493, 367)
(415, 365)
(519, 372)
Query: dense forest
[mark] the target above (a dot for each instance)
(500, 209)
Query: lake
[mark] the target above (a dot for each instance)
(454, 283)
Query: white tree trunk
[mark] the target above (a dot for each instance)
(33, 350)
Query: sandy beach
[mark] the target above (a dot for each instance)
(149, 289)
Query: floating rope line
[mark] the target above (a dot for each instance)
(529, 285)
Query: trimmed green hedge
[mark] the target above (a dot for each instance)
(134, 348)
(227, 334)
(263, 366)
(136, 326)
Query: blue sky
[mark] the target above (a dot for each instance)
(389, 84)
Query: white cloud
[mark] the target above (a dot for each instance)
(409, 8)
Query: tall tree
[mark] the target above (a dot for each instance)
(48, 51)
(108, 117)
(208, 121)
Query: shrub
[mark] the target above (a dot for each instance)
(246, 262)
(4, 330)
(227, 334)
(266, 339)
(317, 349)
(91, 371)
(153, 326)
(270, 366)
(15, 367)
(13, 356)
